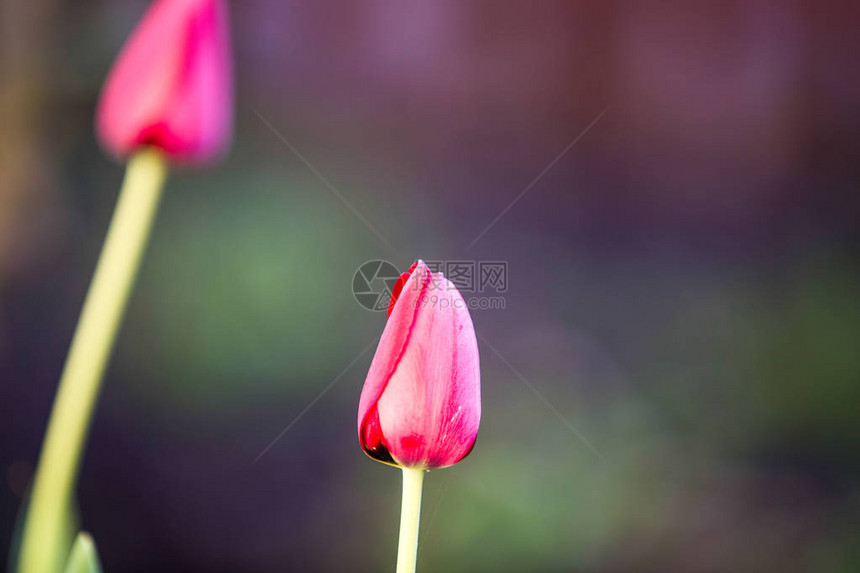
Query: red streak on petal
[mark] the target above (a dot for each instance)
(413, 442)
(398, 287)
(372, 440)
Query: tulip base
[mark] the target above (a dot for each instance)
(410, 517)
(44, 547)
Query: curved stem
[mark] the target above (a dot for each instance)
(410, 516)
(43, 547)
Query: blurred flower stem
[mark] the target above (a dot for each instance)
(43, 548)
(410, 517)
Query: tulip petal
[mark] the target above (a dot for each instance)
(430, 409)
(398, 287)
(393, 341)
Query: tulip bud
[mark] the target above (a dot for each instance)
(421, 403)
(171, 86)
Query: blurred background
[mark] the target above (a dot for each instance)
(683, 285)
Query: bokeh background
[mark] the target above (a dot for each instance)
(683, 285)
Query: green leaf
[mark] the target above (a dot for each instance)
(83, 558)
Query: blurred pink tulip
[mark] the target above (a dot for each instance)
(421, 403)
(171, 86)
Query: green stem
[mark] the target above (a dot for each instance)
(410, 516)
(43, 547)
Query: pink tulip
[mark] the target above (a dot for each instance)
(171, 86)
(421, 403)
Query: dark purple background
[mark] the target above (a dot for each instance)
(683, 285)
